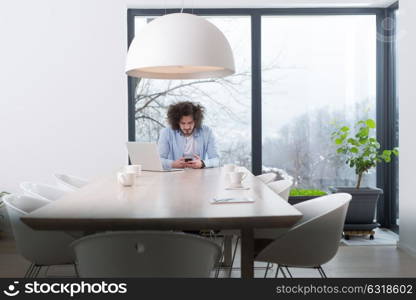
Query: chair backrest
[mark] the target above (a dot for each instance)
(281, 187)
(42, 191)
(70, 182)
(267, 177)
(40, 247)
(315, 239)
(145, 254)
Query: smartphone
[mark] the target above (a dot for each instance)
(188, 159)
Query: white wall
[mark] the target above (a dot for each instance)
(407, 98)
(63, 95)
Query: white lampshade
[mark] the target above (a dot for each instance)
(180, 46)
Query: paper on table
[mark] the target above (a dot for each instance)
(226, 200)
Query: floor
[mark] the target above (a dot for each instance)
(350, 261)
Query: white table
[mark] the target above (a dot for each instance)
(169, 201)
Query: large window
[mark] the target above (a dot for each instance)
(299, 73)
(318, 71)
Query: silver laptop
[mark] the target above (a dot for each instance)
(147, 155)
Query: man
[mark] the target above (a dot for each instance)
(187, 143)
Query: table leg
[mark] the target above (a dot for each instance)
(247, 253)
(228, 250)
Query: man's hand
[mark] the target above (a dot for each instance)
(196, 163)
(179, 164)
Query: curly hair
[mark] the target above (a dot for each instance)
(178, 110)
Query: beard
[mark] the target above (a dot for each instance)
(187, 132)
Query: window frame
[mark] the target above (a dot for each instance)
(385, 103)
(386, 120)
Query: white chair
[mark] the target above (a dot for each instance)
(314, 240)
(145, 254)
(41, 248)
(267, 177)
(42, 191)
(69, 182)
(281, 187)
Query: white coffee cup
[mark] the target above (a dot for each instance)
(137, 169)
(229, 167)
(236, 178)
(126, 179)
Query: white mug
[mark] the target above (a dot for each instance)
(137, 169)
(126, 179)
(236, 178)
(229, 167)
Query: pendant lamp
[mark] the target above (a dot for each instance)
(180, 46)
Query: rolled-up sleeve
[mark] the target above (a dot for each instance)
(164, 147)
(212, 158)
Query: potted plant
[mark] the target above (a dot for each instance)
(362, 152)
(299, 195)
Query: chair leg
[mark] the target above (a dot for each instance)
(36, 272)
(29, 270)
(76, 270)
(321, 272)
(277, 271)
(217, 270)
(33, 271)
(220, 259)
(232, 260)
(279, 267)
(290, 274)
(267, 269)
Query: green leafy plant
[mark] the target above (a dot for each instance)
(303, 192)
(361, 148)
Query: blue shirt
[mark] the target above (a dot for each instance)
(172, 144)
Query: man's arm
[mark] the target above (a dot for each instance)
(212, 153)
(163, 146)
